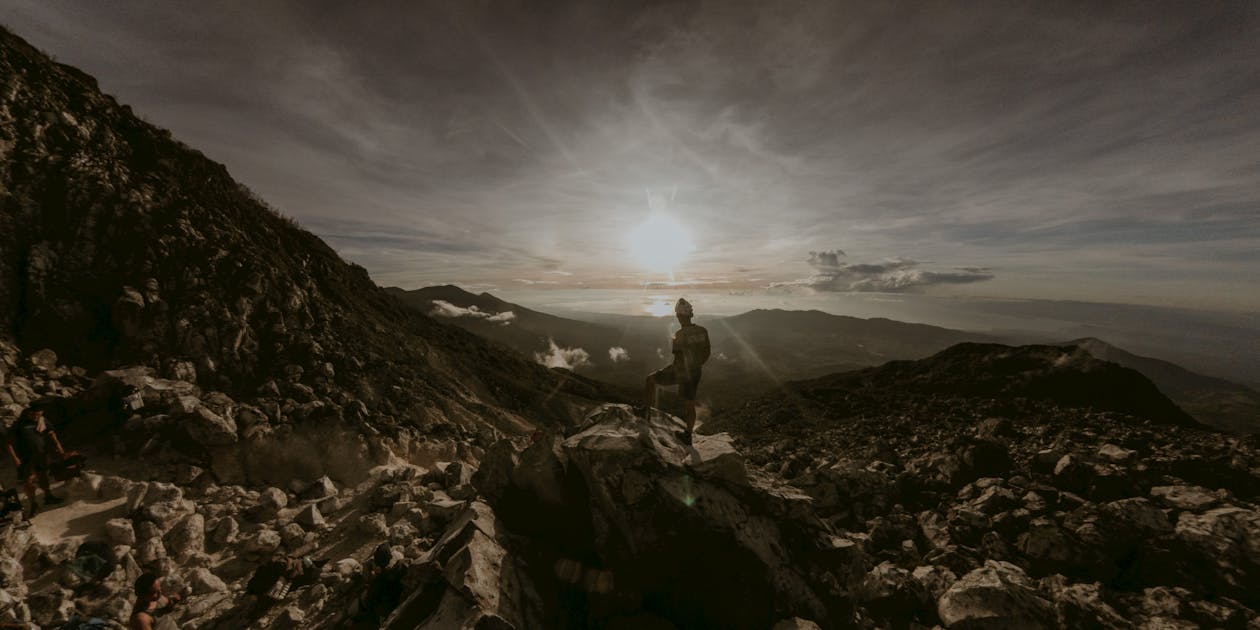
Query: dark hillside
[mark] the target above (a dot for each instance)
(120, 245)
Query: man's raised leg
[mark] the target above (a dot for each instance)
(649, 396)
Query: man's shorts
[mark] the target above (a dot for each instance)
(672, 375)
(32, 463)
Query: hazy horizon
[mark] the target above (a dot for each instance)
(1216, 343)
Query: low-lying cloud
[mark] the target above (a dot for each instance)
(442, 308)
(558, 357)
(890, 276)
(618, 354)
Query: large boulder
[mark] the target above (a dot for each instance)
(1224, 546)
(478, 585)
(997, 595)
(208, 428)
(186, 538)
(625, 501)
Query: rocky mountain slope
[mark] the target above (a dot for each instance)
(1213, 401)
(958, 509)
(1019, 487)
(121, 246)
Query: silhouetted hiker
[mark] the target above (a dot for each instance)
(384, 589)
(690, 347)
(151, 607)
(28, 446)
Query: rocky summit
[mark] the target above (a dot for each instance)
(289, 446)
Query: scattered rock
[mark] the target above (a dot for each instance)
(997, 595)
(310, 518)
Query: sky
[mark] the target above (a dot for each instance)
(1083, 151)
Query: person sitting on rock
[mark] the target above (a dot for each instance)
(151, 608)
(690, 348)
(28, 446)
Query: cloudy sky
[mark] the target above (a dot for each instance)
(1096, 151)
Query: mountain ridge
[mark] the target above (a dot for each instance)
(97, 206)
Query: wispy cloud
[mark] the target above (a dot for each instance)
(442, 308)
(890, 276)
(618, 354)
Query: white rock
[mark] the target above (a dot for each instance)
(120, 531)
(203, 581)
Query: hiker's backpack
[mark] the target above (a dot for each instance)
(93, 561)
(80, 623)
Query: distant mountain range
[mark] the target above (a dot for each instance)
(760, 350)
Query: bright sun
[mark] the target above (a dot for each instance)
(660, 244)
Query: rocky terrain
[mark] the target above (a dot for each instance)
(920, 507)
(294, 448)
(999, 487)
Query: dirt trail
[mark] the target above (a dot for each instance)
(82, 516)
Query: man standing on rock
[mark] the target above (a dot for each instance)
(28, 446)
(690, 347)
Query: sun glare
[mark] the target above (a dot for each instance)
(660, 243)
(659, 307)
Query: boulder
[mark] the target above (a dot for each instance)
(1050, 547)
(293, 535)
(11, 574)
(119, 531)
(997, 595)
(319, 489)
(44, 360)
(208, 428)
(186, 538)
(733, 554)
(263, 542)
(310, 518)
(891, 593)
(935, 579)
(226, 530)
(442, 507)
(494, 475)
(1083, 606)
(1116, 454)
(203, 582)
(1191, 498)
(150, 552)
(477, 585)
(1225, 543)
(270, 501)
(715, 457)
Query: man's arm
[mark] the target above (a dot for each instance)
(12, 453)
(704, 348)
(57, 443)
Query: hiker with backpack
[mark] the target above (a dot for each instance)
(690, 348)
(28, 444)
